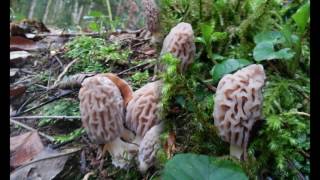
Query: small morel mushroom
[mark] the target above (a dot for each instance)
(238, 105)
(151, 14)
(102, 114)
(142, 110)
(180, 43)
(143, 118)
(148, 148)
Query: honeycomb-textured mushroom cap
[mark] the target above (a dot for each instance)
(102, 109)
(142, 110)
(151, 13)
(180, 43)
(238, 104)
(148, 148)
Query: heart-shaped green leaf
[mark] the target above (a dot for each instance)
(201, 167)
(265, 51)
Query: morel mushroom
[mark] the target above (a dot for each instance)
(148, 148)
(102, 114)
(151, 14)
(180, 43)
(238, 105)
(142, 110)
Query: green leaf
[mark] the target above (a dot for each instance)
(96, 14)
(265, 51)
(302, 16)
(270, 36)
(200, 167)
(226, 67)
(200, 40)
(206, 31)
(94, 26)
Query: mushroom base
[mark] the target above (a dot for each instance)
(236, 151)
(121, 152)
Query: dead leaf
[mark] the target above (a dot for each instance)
(17, 90)
(170, 145)
(18, 43)
(45, 166)
(24, 148)
(14, 72)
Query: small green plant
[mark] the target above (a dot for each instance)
(208, 36)
(184, 92)
(68, 137)
(94, 54)
(139, 79)
(59, 108)
(286, 135)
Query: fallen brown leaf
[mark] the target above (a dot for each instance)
(18, 43)
(24, 147)
(17, 90)
(46, 165)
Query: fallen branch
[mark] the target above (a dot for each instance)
(137, 66)
(64, 71)
(67, 34)
(42, 104)
(50, 138)
(50, 117)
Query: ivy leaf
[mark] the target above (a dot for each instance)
(302, 16)
(265, 51)
(226, 67)
(200, 167)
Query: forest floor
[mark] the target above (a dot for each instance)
(46, 119)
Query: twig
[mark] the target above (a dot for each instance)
(209, 86)
(67, 34)
(50, 117)
(56, 58)
(50, 138)
(64, 71)
(137, 66)
(47, 102)
(83, 164)
(51, 157)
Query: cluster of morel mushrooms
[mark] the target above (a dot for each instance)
(127, 123)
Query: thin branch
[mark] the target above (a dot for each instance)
(50, 117)
(65, 71)
(42, 104)
(137, 66)
(50, 138)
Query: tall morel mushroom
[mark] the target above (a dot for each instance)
(152, 18)
(102, 113)
(180, 43)
(238, 105)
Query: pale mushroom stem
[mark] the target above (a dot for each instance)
(121, 152)
(156, 38)
(236, 151)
